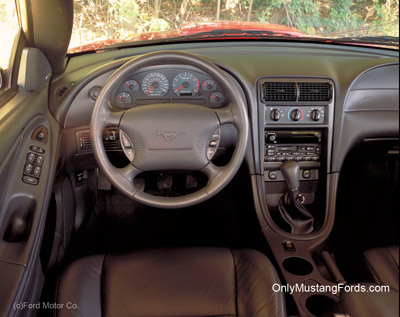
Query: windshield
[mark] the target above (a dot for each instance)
(101, 23)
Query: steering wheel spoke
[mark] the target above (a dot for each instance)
(129, 172)
(113, 118)
(211, 170)
(225, 115)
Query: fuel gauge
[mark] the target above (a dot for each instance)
(217, 97)
(124, 98)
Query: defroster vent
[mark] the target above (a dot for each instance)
(279, 91)
(314, 91)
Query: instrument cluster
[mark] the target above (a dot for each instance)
(169, 84)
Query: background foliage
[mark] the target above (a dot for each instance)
(100, 19)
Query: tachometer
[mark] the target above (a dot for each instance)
(155, 84)
(185, 84)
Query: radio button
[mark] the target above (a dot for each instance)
(315, 158)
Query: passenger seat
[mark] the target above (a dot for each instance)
(383, 264)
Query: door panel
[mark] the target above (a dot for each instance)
(28, 149)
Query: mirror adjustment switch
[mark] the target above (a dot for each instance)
(40, 134)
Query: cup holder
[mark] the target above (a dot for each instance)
(297, 266)
(317, 305)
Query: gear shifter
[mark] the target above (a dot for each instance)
(290, 207)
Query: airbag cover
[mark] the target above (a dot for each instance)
(173, 137)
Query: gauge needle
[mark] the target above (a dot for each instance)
(179, 88)
(149, 89)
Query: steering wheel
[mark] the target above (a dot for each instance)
(169, 136)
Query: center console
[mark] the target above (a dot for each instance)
(295, 133)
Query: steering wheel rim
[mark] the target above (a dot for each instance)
(122, 178)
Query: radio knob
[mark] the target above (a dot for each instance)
(315, 115)
(275, 114)
(270, 137)
(295, 115)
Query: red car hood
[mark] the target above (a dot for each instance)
(192, 28)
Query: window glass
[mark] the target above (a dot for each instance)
(8, 30)
(101, 23)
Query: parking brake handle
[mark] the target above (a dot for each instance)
(290, 207)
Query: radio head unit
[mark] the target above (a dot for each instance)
(292, 146)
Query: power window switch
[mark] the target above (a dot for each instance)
(39, 160)
(30, 158)
(37, 171)
(28, 168)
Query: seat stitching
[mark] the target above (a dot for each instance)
(392, 257)
(374, 272)
(236, 287)
(276, 294)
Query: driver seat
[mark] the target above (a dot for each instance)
(178, 282)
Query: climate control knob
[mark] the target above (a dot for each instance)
(315, 115)
(295, 115)
(275, 114)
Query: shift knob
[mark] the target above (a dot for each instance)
(290, 171)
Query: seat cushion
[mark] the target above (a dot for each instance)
(171, 282)
(383, 264)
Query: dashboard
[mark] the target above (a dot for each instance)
(356, 105)
(168, 84)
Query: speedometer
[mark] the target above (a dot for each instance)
(155, 84)
(185, 84)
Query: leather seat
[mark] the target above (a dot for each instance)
(383, 264)
(180, 282)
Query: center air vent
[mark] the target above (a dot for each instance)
(279, 91)
(110, 140)
(315, 91)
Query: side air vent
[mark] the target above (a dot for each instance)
(86, 144)
(61, 91)
(279, 91)
(315, 91)
(110, 140)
